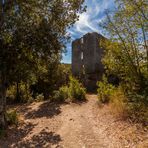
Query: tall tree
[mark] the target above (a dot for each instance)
(31, 30)
(127, 53)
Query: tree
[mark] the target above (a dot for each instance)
(127, 51)
(29, 31)
(50, 77)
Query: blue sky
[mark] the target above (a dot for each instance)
(88, 22)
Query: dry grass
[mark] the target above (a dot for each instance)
(119, 103)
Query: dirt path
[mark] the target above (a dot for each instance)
(84, 125)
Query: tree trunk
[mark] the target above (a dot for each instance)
(17, 92)
(26, 89)
(2, 104)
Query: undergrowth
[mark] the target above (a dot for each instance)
(133, 107)
(105, 90)
(2, 133)
(12, 117)
(73, 92)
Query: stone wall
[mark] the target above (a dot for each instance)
(86, 59)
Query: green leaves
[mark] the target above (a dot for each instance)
(74, 91)
(33, 31)
(77, 91)
(105, 90)
(126, 54)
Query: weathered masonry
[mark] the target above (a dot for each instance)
(86, 59)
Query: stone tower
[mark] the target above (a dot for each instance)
(86, 59)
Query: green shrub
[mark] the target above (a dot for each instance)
(11, 93)
(77, 91)
(132, 107)
(39, 98)
(137, 108)
(12, 117)
(22, 94)
(74, 91)
(104, 90)
(62, 94)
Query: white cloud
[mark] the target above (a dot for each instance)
(88, 21)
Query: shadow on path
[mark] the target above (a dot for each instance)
(16, 134)
(15, 137)
(42, 139)
(47, 109)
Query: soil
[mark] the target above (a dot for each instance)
(73, 125)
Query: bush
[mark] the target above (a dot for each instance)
(22, 94)
(11, 93)
(62, 94)
(119, 103)
(137, 108)
(132, 107)
(39, 98)
(74, 91)
(104, 90)
(77, 91)
(12, 117)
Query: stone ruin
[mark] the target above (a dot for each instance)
(86, 59)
